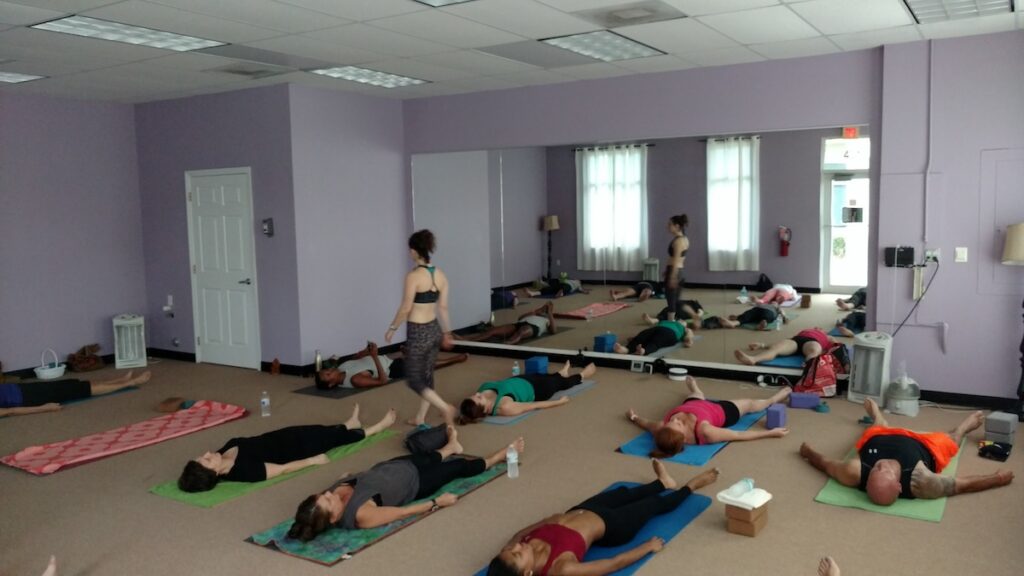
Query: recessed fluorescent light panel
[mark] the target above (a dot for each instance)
(926, 11)
(13, 78)
(117, 32)
(439, 3)
(367, 76)
(603, 45)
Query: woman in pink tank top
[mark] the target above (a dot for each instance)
(810, 343)
(701, 421)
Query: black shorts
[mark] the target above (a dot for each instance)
(397, 369)
(800, 341)
(534, 332)
(60, 391)
(732, 412)
(711, 323)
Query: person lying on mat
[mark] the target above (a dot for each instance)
(521, 394)
(857, 301)
(642, 290)
(383, 493)
(690, 310)
(893, 463)
(48, 395)
(558, 287)
(701, 421)
(368, 369)
(853, 323)
(662, 335)
(271, 454)
(556, 545)
(532, 324)
(762, 316)
(778, 294)
(810, 343)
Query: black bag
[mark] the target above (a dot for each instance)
(842, 357)
(764, 283)
(425, 440)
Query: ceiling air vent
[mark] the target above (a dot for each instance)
(630, 14)
(251, 70)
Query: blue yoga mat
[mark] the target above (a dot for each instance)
(791, 361)
(665, 526)
(836, 332)
(694, 455)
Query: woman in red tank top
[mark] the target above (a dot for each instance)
(557, 544)
(810, 343)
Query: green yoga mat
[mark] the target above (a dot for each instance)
(931, 510)
(336, 545)
(225, 491)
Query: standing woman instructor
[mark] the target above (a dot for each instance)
(424, 303)
(677, 249)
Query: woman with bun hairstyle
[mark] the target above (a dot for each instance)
(677, 249)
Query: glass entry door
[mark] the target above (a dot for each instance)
(846, 232)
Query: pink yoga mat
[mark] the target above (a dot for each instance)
(596, 310)
(49, 458)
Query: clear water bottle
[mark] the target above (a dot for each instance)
(515, 368)
(740, 488)
(743, 293)
(512, 460)
(590, 314)
(264, 404)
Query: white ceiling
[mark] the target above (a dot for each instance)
(440, 45)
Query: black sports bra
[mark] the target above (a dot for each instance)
(670, 254)
(430, 296)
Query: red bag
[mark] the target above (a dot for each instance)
(819, 377)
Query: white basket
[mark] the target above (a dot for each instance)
(49, 371)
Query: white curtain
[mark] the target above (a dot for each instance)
(733, 203)
(611, 207)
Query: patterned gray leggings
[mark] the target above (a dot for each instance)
(423, 343)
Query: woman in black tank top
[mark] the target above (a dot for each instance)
(677, 250)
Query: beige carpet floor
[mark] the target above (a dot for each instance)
(99, 518)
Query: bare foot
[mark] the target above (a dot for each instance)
(620, 349)
(743, 358)
(386, 422)
(640, 350)
(703, 479)
(828, 567)
(648, 319)
(762, 325)
(973, 422)
(666, 480)
(414, 422)
(565, 370)
(51, 568)
(781, 395)
(756, 346)
(519, 444)
(611, 294)
(453, 441)
(843, 305)
(353, 422)
(587, 371)
(142, 378)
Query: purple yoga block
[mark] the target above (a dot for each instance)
(537, 365)
(604, 343)
(776, 416)
(804, 400)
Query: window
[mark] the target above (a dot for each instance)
(611, 205)
(733, 203)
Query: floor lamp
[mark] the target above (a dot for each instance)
(1013, 255)
(550, 224)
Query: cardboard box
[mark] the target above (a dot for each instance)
(747, 528)
(744, 515)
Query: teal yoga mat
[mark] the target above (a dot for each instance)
(694, 455)
(505, 420)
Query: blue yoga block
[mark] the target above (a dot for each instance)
(604, 343)
(537, 365)
(804, 400)
(776, 416)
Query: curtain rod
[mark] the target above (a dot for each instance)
(725, 138)
(613, 146)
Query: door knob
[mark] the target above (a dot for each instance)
(246, 281)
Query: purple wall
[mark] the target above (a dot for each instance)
(351, 216)
(70, 226)
(975, 190)
(676, 176)
(243, 128)
(523, 186)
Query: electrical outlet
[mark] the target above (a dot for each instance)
(931, 254)
(636, 366)
(961, 254)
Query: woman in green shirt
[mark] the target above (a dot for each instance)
(521, 394)
(662, 335)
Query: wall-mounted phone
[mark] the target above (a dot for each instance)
(268, 227)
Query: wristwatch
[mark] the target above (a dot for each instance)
(433, 505)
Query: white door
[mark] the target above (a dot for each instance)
(225, 307)
(846, 233)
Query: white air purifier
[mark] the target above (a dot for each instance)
(869, 372)
(129, 341)
(651, 272)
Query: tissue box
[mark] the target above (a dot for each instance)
(604, 343)
(776, 416)
(804, 400)
(1001, 423)
(537, 365)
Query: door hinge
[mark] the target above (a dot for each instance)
(190, 196)
(193, 268)
(198, 341)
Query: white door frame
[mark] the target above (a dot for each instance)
(192, 260)
(827, 176)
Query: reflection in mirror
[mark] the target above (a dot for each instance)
(797, 212)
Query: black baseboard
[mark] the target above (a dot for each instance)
(513, 286)
(984, 402)
(171, 354)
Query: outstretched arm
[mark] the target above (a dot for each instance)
(613, 564)
(846, 472)
(275, 470)
(513, 408)
(643, 423)
(22, 410)
(715, 434)
(370, 515)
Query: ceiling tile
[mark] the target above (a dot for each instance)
(372, 39)
(425, 90)
(523, 17)
(359, 10)
(34, 41)
(65, 6)
(576, 5)
(702, 7)
(873, 38)
(168, 19)
(310, 48)
(761, 25)
(416, 69)
(476, 62)
(594, 71)
(482, 83)
(533, 77)
(724, 56)
(969, 26)
(795, 48)
(20, 15)
(39, 68)
(677, 36)
(842, 16)
(663, 63)
(447, 29)
(263, 13)
(191, 61)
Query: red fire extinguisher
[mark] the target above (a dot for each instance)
(785, 236)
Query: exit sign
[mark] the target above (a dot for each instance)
(851, 132)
